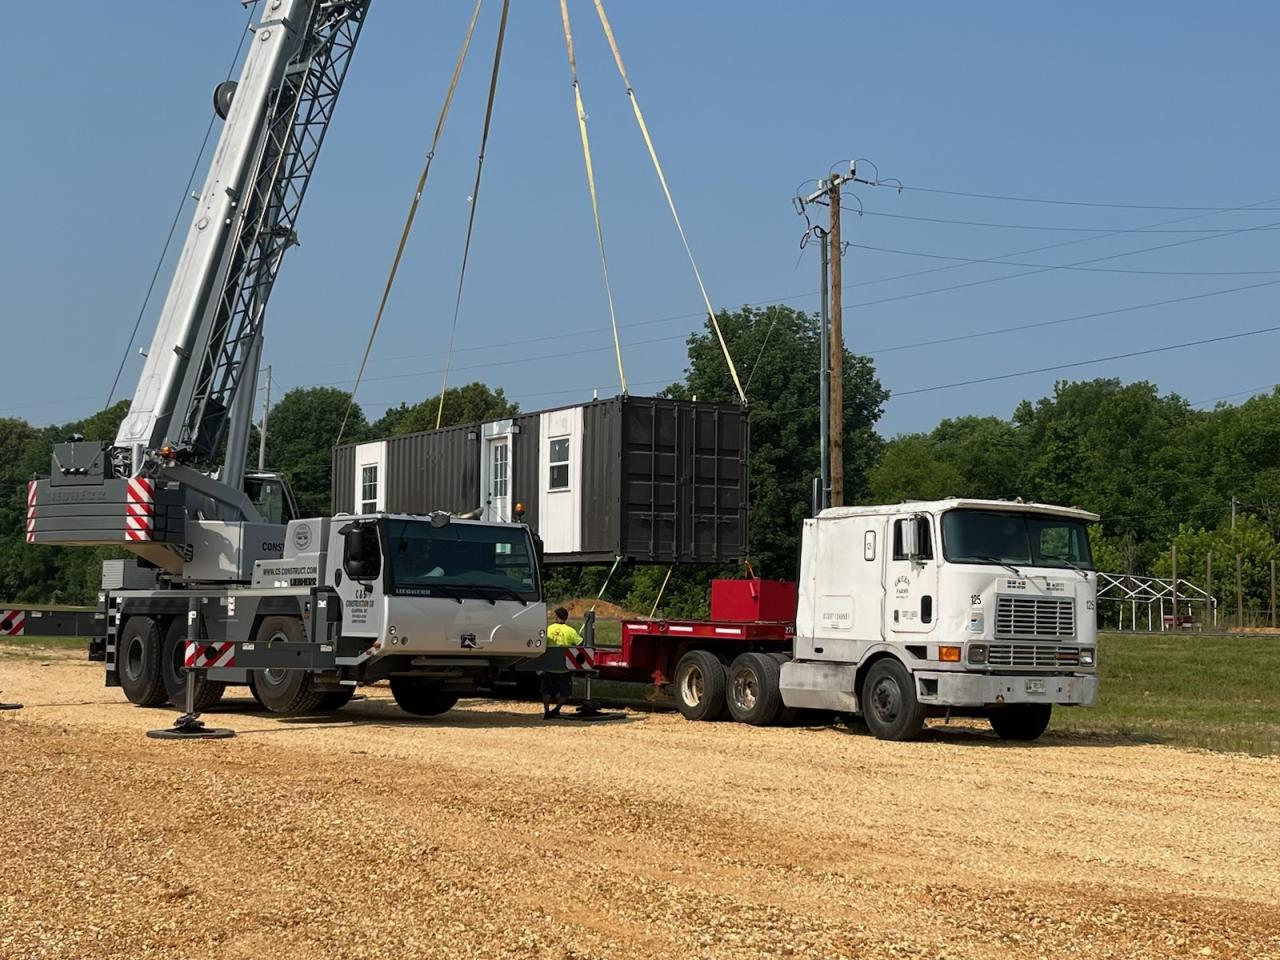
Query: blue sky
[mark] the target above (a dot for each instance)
(1163, 105)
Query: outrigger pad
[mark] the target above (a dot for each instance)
(188, 727)
(591, 712)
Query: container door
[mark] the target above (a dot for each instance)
(911, 577)
(495, 472)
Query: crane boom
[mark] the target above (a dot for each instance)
(244, 222)
(160, 489)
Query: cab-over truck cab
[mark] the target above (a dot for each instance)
(945, 608)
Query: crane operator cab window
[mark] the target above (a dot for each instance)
(462, 561)
(272, 497)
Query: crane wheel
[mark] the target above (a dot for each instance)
(422, 698)
(287, 692)
(208, 692)
(138, 665)
(754, 695)
(699, 686)
(1021, 721)
(332, 700)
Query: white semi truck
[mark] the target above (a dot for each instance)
(226, 578)
(948, 608)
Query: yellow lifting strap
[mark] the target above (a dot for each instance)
(591, 186)
(653, 155)
(413, 212)
(475, 202)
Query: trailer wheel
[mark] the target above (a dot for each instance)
(208, 692)
(889, 703)
(753, 695)
(288, 692)
(138, 662)
(421, 697)
(1021, 721)
(699, 686)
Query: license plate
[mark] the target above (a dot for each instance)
(1035, 686)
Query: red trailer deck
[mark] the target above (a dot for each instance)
(694, 655)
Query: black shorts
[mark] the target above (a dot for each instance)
(557, 684)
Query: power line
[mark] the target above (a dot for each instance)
(1035, 226)
(1050, 266)
(1084, 363)
(1047, 269)
(1061, 320)
(1047, 200)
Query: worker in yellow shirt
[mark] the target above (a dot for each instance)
(558, 685)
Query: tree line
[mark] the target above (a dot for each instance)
(1157, 470)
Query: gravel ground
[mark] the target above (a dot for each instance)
(489, 833)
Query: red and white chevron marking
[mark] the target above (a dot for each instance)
(31, 511)
(579, 658)
(202, 654)
(13, 623)
(139, 509)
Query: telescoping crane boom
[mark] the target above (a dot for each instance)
(178, 458)
(229, 587)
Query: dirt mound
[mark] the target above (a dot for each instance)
(604, 609)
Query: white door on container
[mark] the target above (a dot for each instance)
(497, 500)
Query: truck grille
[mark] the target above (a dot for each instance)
(1048, 617)
(1048, 655)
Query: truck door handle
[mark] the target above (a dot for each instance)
(926, 609)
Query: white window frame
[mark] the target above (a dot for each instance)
(499, 468)
(369, 504)
(567, 463)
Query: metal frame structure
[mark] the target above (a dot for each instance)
(1152, 592)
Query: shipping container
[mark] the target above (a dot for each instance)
(648, 479)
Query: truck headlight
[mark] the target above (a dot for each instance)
(1086, 657)
(977, 653)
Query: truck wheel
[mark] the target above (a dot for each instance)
(208, 692)
(288, 692)
(420, 697)
(753, 696)
(1021, 721)
(138, 662)
(889, 703)
(335, 699)
(699, 686)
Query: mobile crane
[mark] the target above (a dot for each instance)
(226, 578)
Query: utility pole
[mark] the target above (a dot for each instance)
(824, 384)
(1239, 592)
(832, 388)
(262, 434)
(837, 348)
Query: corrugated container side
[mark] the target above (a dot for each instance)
(342, 496)
(439, 470)
(525, 467)
(684, 494)
(602, 476)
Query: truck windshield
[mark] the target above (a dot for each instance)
(490, 562)
(1027, 539)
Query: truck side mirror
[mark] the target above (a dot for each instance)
(539, 550)
(911, 538)
(361, 556)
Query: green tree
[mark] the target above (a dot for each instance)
(300, 436)
(778, 353)
(911, 469)
(470, 403)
